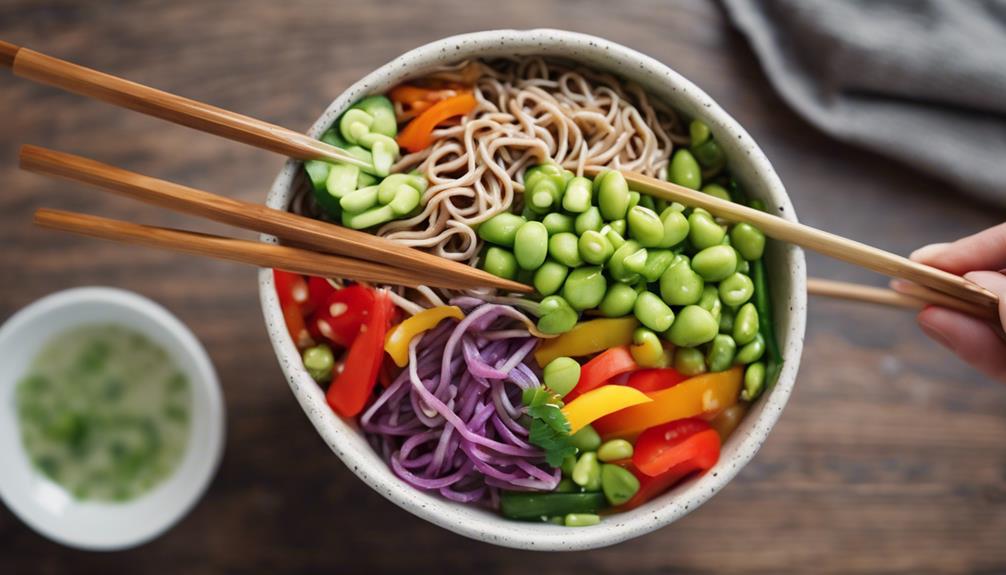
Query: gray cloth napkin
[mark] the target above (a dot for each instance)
(923, 81)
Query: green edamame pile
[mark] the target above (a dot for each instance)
(355, 197)
(595, 246)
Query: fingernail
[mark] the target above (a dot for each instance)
(935, 333)
(927, 252)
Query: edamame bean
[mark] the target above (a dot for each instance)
(675, 227)
(616, 264)
(699, 132)
(576, 198)
(633, 200)
(619, 300)
(564, 248)
(689, 361)
(354, 124)
(501, 229)
(613, 195)
(715, 263)
(556, 315)
(647, 350)
(745, 324)
(657, 262)
(693, 326)
(743, 266)
(581, 519)
(584, 287)
(709, 155)
(619, 227)
(652, 312)
(736, 289)
(586, 439)
(360, 200)
(680, 285)
(710, 301)
(342, 179)
(587, 472)
(406, 200)
(500, 262)
(318, 361)
(535, 173)
(636, 261)
(618, 484)
(685, 171)
(549, 277)
(703, 231)
(749, 240)
(727, 320)
(590, 220)
(561, 375)
(557, 222)
(754, 382)
(614, 450)
(595, 249)
(717, 191)
(543, 195)
(568, 463)
(647, 202)
(752, 351)
(720, 355)
(613, 235)
(530, 245)
(367, 218)
(645, 226)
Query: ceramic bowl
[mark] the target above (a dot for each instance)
(44, 505)
(785, 266)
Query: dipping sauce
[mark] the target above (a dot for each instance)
(104, 412)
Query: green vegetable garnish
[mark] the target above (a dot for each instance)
(549, 429)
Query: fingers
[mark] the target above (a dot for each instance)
(973, 340)
(995, 282)
(985, 250)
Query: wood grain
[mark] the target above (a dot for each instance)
(821, 241)
(258, 254)
(71, 77)
(889, 459)
(302, 231)
(914, 297)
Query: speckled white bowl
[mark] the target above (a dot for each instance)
(786, 271)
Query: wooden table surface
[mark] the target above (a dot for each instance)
(891, 457)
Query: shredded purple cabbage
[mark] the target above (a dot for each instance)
(449, 422)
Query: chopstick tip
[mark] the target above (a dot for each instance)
(8, 53)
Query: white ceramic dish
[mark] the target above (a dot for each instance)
(43, 504)
(786, 270)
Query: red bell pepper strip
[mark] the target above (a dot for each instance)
(291, 289)
(354, 385)
(708, 453)
(343, 313)
(649, 380)
(667, 446)
(603, 367)
(318, 290)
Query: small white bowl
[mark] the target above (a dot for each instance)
(786, 270)
(43, 504)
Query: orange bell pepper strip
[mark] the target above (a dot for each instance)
(411, 95)
(702, 394)
(600, 402)
(602, 368)
(586, 338)
(418, 134)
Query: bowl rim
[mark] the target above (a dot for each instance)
(184, 487)
(495, 529)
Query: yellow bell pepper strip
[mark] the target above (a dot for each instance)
(397, 342)
(588, 337)
(599, 402)
(707, 393)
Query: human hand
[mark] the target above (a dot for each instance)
(976, 341)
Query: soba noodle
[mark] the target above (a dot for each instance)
(529, 110)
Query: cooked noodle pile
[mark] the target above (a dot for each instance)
(529, 110)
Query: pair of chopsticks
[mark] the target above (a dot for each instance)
(356, 255)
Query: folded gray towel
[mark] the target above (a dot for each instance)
(923, 81)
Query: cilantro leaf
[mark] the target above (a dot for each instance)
(549, 429)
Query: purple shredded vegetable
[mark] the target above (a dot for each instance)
(449, 421)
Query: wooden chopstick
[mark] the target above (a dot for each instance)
(822, 242)
(44, 69)
(881, 296)
(249, 252)
(299, 230)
